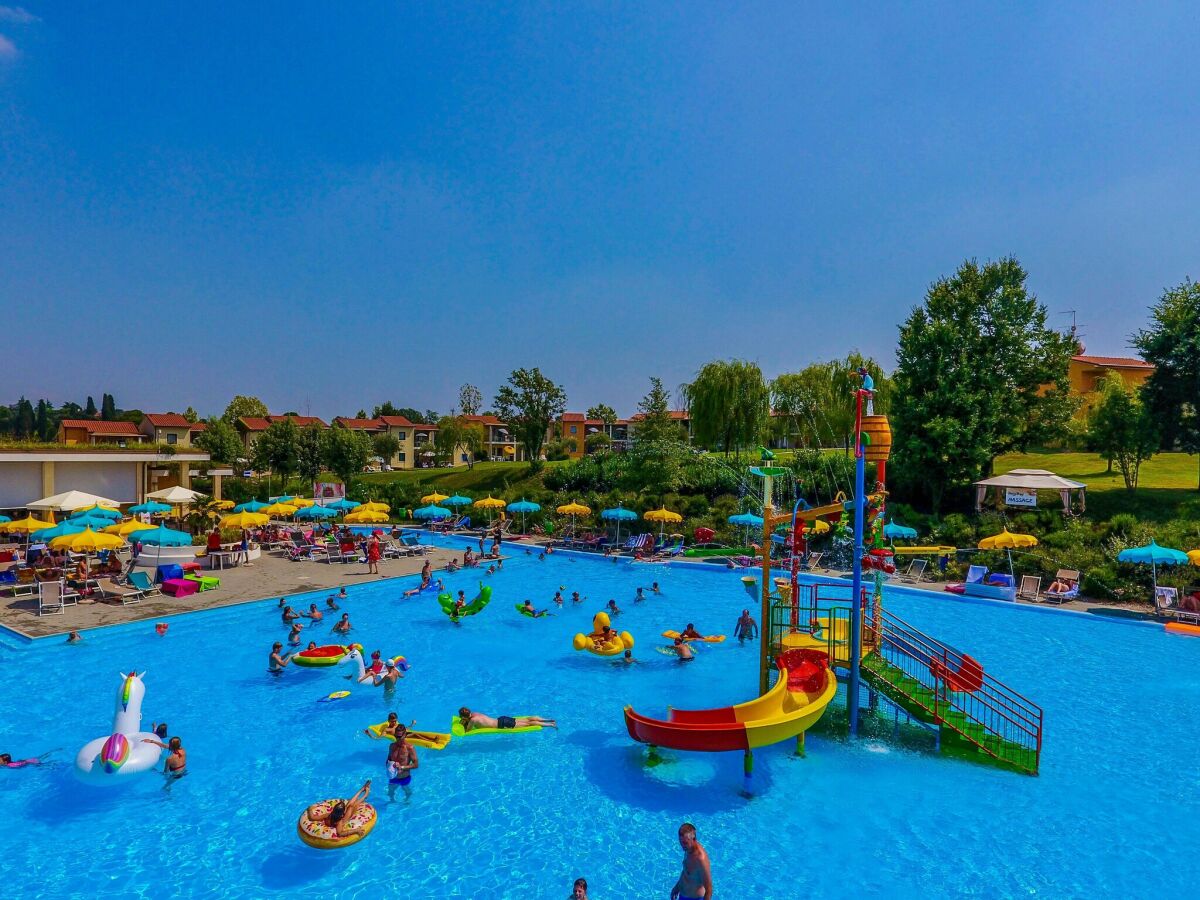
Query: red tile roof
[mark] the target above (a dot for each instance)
(1114, 362)
(166, 420)
(678, 415)
(258, 423)
(96, 426)
(484, 420)
(395, 421)
(573, 417)
(359, 424)
(199, 426)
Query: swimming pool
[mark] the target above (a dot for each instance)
(1112, 813)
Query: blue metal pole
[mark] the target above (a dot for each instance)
(860, 509)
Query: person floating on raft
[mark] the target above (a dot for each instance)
(338, 823)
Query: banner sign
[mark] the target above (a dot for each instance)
(1017, 497)
(328, 491)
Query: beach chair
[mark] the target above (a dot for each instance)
(54, 598)
(1188, 609)
(812, 562)
(26, 582)
(414, 545)
(1031, 587)
(125, 593)
(1071, 575)
(916, 570)
(669, 550)
(1166, 600)
(141, 581)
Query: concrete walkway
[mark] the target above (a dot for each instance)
(268, 576)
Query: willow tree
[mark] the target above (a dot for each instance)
(728, 403)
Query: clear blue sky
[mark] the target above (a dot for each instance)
(329, 205)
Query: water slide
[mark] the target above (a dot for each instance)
(801, 693)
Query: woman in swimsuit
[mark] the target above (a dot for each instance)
(341, 811)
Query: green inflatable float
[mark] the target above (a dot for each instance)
(482, 599)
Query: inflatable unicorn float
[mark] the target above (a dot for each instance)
(110, 760)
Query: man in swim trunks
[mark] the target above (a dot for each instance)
(401, 760)
(746, 627)
(294, 634)
(575, 598)
(391, 674)
(426, 572)
(331, 602)
(342, 626)
(683, 650)
(655, 589)
(579, 890)
(639, 596)
(472, 720)
(613, 609)
(388, 727)
(176, 766)
(289, 615)
(342, 594)
(74, 637)
(536, 613)
(695, 882)
(277, 661)
(690, 633)
(313, 613)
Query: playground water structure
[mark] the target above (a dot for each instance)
(583, 801)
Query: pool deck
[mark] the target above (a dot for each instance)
(268, 576)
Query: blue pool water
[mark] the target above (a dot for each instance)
(1114, 812)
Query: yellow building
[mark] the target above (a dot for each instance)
(1087, 372)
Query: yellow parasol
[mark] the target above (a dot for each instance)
(278, 509)
(362, 516)
(574, 509)
(662, 516)
(88, 541)
(435, 497)
(93, 508)
(373, 506)
(1006, 540)
(27, 525)
(125, 528)
(300, 502)
(243, 520)
(490, 503)
(1194, 557)
(223, 504)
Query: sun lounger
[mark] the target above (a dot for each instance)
(26, 582)
(413, 543)
(916, 571)
(1031, 587)
(125, 593)
(141, 581)
(1069, 575)
(54, 598)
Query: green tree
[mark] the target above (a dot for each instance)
(24, 420)
(1123, 429)
(978, 373)
(469, 400)
(108, 408)
(386, 408)
(191, 415)
(244, 406)
(653, 423)
(310, 453)
(386, 445)
(90, 410)
(603, 412)
(597, 442)
(455, 434)
(728, 403)
(1172, 344)
(276, 449)
(220, 441)
(529, 403)
(345, 452)
(42, 424)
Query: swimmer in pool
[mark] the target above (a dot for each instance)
(473, 720)
(342, 626)
(683, 651)
(695, 882)
(276, 661)
(401, 760)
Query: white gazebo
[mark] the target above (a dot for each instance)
(1026, 480)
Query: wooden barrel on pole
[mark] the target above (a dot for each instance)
(879, 433)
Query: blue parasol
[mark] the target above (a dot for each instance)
(618, 514)
(893, 532)
(458, 500)
(150, 507)
(343, 504)
(250, 506)
(316, 511)
(1156, 556)
(431, 512)
(48, 534)
(524, 506)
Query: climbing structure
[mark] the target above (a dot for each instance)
(925, 679)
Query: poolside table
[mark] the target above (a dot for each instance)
(180, 587)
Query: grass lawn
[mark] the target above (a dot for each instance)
(1166, 485)
(483, 478)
